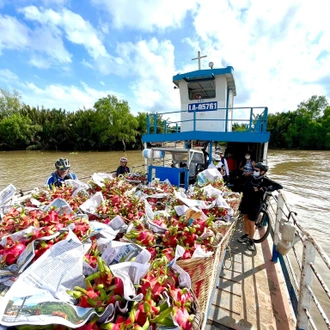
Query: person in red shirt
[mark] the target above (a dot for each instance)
(232, 164)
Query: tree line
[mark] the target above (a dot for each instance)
(110, 125)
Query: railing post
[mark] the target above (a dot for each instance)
(155, 123)
(251, 115)
(148, 124)
(176, 127)
(264, 127)
(306, 280)
(279, 214)
(226, 119)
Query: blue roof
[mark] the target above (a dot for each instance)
(207, 74)
(203, 73)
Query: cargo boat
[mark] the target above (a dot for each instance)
(262, 290)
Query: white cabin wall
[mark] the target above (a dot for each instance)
(230, 110)
(212, 125)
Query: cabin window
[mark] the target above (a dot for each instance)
(180, 157)
(203, 89)
(197, 157)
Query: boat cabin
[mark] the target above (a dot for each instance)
(207, 117)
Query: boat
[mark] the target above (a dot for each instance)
(291, 291)
(236, 289)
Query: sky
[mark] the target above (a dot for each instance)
(69, 53)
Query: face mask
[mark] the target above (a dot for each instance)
(256, 173)
(247, 157)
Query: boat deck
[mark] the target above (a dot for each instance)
(250, 291)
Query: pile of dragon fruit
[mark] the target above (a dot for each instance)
(154, 217)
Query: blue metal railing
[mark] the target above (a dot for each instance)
(248, 119)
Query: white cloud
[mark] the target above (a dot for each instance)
(55, 2)
(20, 37)
(86, 64)
(76, 29)
(70, 97)
(151, 63)
(8, 76)
(274, 48)
(16, 36)
(147, 15)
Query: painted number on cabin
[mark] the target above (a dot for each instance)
(205, 106)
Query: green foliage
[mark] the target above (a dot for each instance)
(17, 132)
(9, 102)
(114, 122)
(306, 128)
(110, 125)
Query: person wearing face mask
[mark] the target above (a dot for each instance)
(250, 206)
(246, 165)
(216, 162)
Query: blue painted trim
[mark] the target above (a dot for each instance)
(292, 293)
(260, 137)
(227, 101)
(203, 73)
(172, 174)
(275, 254)
(148, 124)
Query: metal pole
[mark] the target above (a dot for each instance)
(155, 123)
(148, 124)
(251, 115)
(279, 214)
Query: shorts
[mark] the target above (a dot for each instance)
(251, 209)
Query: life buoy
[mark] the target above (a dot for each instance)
(198, 96)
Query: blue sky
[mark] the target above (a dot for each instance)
(69, 53)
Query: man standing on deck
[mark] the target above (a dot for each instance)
(250, 206)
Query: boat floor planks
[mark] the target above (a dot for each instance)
(250, 293)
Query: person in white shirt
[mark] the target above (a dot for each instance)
(216, 163)
(224, 162)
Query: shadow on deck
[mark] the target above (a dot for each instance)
(250, 292)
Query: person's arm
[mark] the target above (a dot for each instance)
(49, 182)
(241, 166)
(226, 166)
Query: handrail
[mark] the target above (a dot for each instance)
(255, 120)
(302, 273)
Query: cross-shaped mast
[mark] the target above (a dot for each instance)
(199, 59)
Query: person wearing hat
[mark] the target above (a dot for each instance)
(122, 169)
(62, 173)
(216, 163)
(223, 160)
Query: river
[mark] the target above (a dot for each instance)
(305, 176)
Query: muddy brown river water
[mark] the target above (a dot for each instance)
(305, 176)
